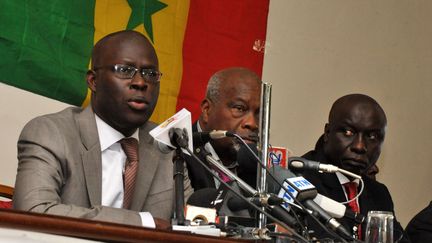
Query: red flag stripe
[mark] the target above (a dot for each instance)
(219, 34)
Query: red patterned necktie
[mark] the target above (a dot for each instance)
(351, 190)
(130, 148)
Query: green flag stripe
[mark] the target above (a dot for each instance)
(45, 46)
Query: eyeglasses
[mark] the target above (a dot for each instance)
(128, 72)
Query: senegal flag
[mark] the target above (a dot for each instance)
(45, 45)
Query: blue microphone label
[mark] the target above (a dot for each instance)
(286, 196)
(300, 183)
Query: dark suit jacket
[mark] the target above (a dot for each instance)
(60, 171)
(375, 195)
(201, 178)
(419, 229)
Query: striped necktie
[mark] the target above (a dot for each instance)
(130, 148)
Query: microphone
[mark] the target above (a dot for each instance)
(332, 207)
(177, 137)
(201, 138)
(236, 204)
(305, 191)
(199, 207)
(337, 210)
(300, 164)
(203, 197)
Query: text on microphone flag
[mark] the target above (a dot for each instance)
(301, 183)
(286, 196)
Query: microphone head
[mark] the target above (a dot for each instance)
(203, 197)
(178, 137)
(299, 164)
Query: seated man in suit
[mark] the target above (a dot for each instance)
(352, 141)
(419, 229)
(100, 162)
(232, 103)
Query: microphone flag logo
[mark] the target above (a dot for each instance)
(181, 119)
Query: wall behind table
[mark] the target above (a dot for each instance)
(318, 51)
(17, 108)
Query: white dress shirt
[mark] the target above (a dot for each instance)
(113, 164)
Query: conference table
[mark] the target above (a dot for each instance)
(19, 226)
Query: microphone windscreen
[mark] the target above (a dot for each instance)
(203, 197)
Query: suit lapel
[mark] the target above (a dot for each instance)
(91, 155)
(148, 163)
(333, 187)
(202, 178)
(366, 201)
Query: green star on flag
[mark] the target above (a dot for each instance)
(142, 11)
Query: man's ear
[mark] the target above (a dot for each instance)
(91, 80)
(326, 132)
(205, 109)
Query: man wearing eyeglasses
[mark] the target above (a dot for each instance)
(100, 162)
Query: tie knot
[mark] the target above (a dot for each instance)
(351, 188)
(130, 148)
(351, 184)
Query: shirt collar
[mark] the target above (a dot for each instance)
(108, 135)
(343, 179)
(208, 146)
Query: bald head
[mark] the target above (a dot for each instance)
(110, 41)
(355, 132)
(347, 102)
(220, 79)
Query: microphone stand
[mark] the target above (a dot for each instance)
(178, 138)
(179, 216)
(264, 125)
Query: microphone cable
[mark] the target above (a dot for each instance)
(289, 193)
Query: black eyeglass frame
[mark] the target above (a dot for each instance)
(147, 73)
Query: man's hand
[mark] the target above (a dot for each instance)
(162, 224)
